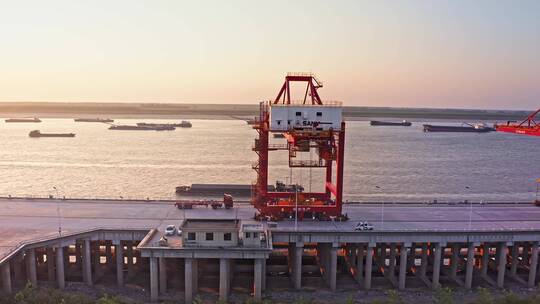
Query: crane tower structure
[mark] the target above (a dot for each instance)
(307, 125)
(529, 126)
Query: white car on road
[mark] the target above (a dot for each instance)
(361, 226)
(170, 230)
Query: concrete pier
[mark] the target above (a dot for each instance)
(154, 280)
(405, 253)
(60, 275)
(297, 264)
(224, 279)
(470, 265)
(402, 266)
(189, 289)
(162, 275)
(436, 266)
(119, 252)
(257, 278)
(501, 268)
(533, 266)
(368, 267)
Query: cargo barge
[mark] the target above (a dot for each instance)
(233, 189)
(476, 128)
(35, 119)
(182, 124)
(389, 123)
(93, 120)
(37, 133)
(142, 128)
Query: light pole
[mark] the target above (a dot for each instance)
(382, 209)
(470, 209)
(58, 213)
(296, 209)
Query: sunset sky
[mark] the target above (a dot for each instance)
(458, 54)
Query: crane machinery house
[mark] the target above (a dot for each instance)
(299, 116)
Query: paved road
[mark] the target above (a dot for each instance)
(23, 220)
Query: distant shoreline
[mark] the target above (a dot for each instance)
(233, 111)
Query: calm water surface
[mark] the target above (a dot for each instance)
(382, 163)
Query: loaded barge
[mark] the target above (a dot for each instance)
(476, 128)
(93, 120)
(37, 133)
(233, 189)
(142, 128)
(35, 119)
(182, 124)
(389, 123)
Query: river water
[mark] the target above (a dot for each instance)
(382, 163)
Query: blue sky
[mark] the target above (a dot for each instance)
(464, 54)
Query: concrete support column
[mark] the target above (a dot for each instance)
(436, 266)
(263, 288)
(369, 265)
(515, 259)
(119, 252)
(224, 279)
(392, 261)
(188, 280)
(257, 284)
(162, 275)
(455, 260)
(154, 280)
(424, 260)
(195, 275)
(360, 263)
(470, 266)
(485, 259)
(60, 275)
(297, 265)
(402, 266)
(87, 262)
(50, 264)
(30, 259)
(6, 277)
(501, 267)
(333, 267)
(534, 265)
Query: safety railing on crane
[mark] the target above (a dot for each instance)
(302, 103)
(306, 163)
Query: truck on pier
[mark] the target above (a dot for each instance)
(227, 203)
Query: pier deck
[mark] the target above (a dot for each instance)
(24, 220)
